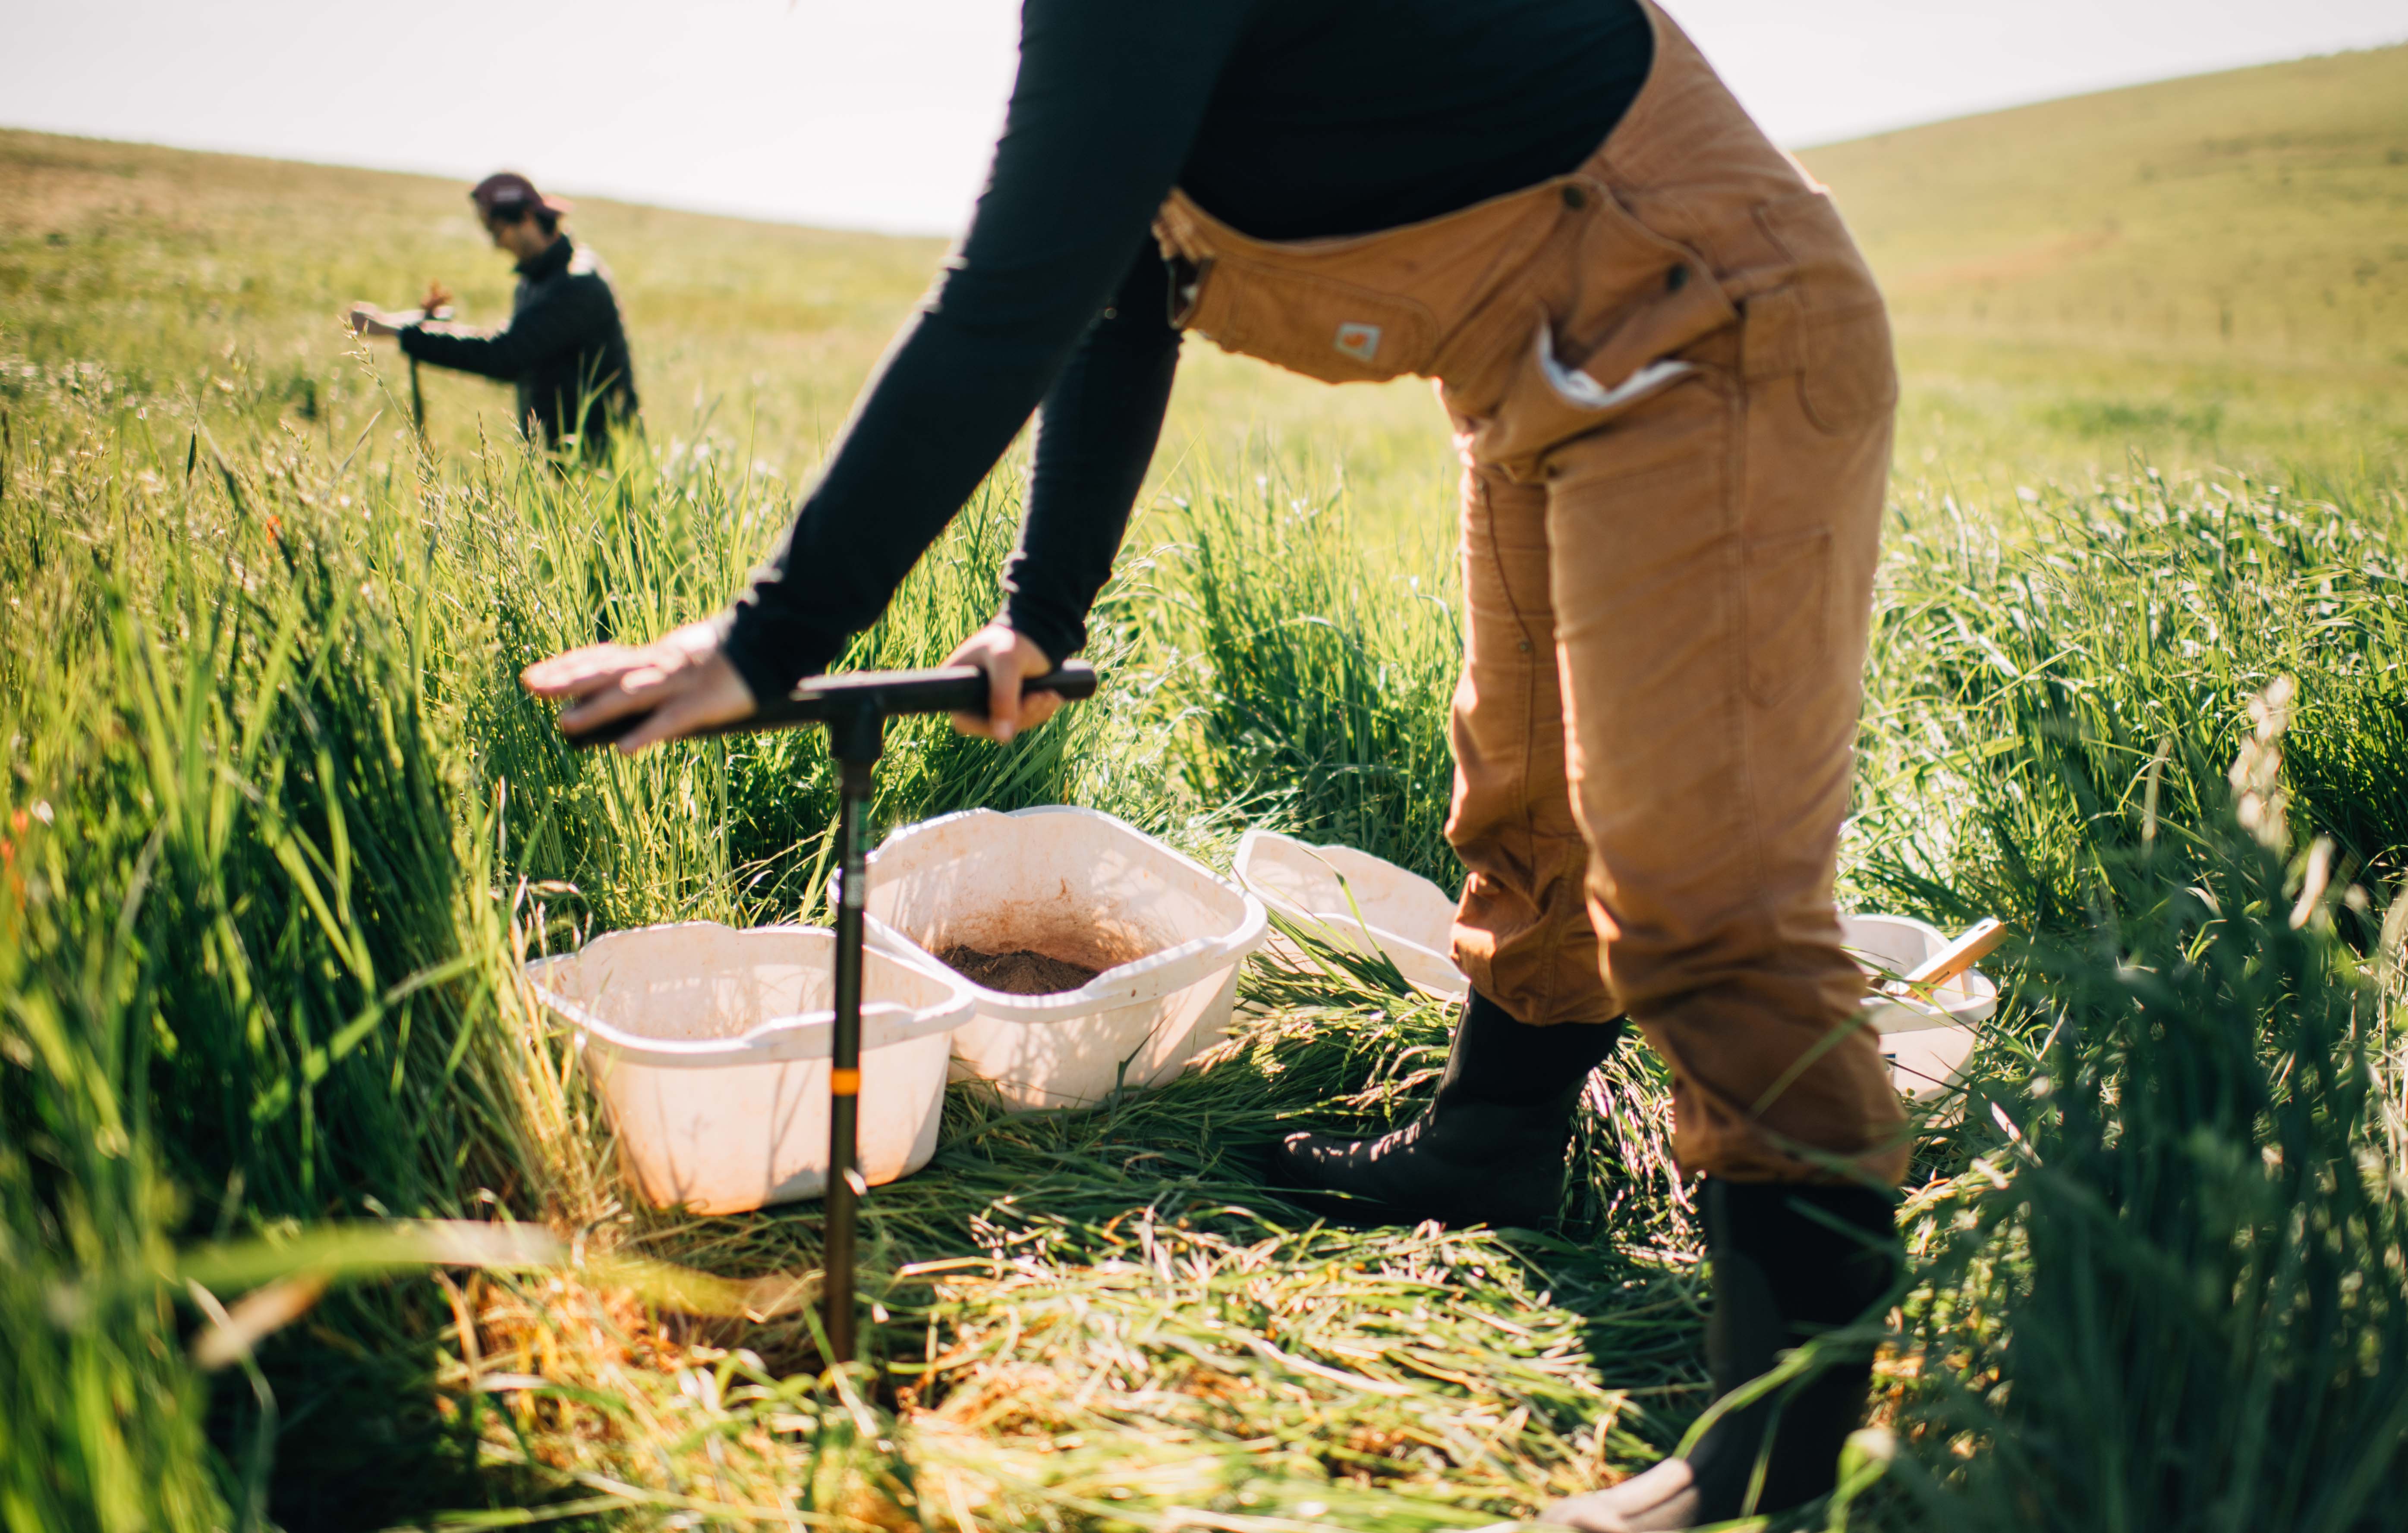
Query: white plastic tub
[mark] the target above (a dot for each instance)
(1410, 920)
(1166, 935)
(1927, 1042)
(711, 1048)
(1357, 903)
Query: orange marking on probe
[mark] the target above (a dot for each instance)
(845, 1082)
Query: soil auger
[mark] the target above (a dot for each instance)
(856, 707)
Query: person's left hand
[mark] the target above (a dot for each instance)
(1007, 660)
(682, 677)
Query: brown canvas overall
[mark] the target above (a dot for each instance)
(1671, 379)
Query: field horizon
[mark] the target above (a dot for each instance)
(2154, 271)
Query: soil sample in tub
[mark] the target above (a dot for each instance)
(1019, 972)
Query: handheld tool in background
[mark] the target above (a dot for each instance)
(856, 707)
(437, 307)
(1978, 942)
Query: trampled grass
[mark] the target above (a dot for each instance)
(279, 826)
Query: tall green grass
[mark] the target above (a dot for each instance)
(2185, 1306)
(1316, 669)
(101, 1422)
(253, 967)
(281, 823)
(287, 798)
(2168, 1292)
(2047, 698)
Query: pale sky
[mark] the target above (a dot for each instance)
(881, 113)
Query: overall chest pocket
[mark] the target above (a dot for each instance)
(1337, 332)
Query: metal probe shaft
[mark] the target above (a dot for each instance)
(856, 707)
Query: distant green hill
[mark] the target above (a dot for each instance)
(2206, 271)
(2262, 212)
(2211, 270)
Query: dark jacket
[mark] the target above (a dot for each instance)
(564, 345)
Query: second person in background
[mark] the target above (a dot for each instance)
(564, 347)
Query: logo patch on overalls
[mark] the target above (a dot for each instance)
(1358, 341)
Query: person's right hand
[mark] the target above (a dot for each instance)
(1007, 660)
(682, 677)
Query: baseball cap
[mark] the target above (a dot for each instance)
(509, 195)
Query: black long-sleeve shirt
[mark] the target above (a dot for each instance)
(565, 348)
(1287, 119)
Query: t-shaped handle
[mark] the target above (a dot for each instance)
(881, 694)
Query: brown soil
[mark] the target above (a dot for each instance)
(1019, 972)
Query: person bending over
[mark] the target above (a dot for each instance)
(564, 347)
(1668, 375)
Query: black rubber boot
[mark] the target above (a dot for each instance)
(1491, 1148)
(1782, 1273)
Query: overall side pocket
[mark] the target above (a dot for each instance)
(1786, 591)
(1838, 335)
